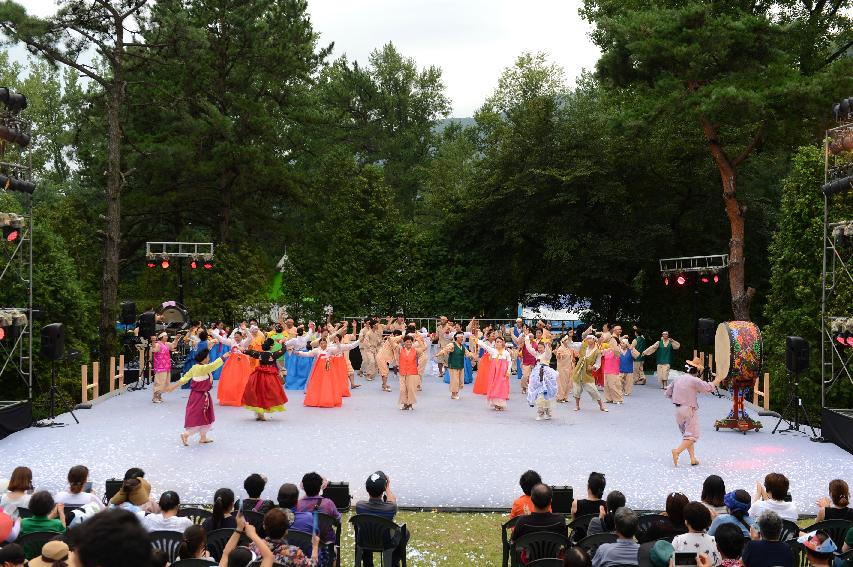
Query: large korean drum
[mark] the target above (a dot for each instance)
(738, 353)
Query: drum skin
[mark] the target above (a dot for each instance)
(738, 352)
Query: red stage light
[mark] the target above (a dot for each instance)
(666, 281)
(12, 235)
(681, 280)
(2, 333)
(705, 279)
(716, 278)
(151, 264)
(164, 264)
(208, 265)
(193, 264)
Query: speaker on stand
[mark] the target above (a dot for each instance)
(796, 361)
(147, 326)
(53, 349)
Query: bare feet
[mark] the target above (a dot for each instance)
(184, 438)
(694, 462)
(674, 457)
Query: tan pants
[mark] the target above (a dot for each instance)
(613, 388)
(456, 380)
(663, 374)
(525, 376)
(368, 363)
(161, 380)
(564, 383)
(639, 375)
(408, 389)
(382, 363)
(588, 387)
(627, 383)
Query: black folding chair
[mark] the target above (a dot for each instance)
(790, 530)
(590, 544)
(539, 545)
(216, 542)
(168, 542)
(326, 524)
(374, 534)
(547, 562)
(257, 520)
(33, 542)
(302, 540)
(645, 523)
(579, 525)
(506, 528)
(24, 512)
(196, 515)
(836, 529)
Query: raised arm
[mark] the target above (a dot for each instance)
(489, 348)
(310, 353)
(652, 349)
(675, 344)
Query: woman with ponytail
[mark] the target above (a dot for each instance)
(223, 508)
(79, 491)
(836, 505)
(737, 504)
(194, 545)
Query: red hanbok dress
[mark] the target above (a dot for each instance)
(499, 368)
(264, 391)
(199, 415)
(324, 389)
(484, 369)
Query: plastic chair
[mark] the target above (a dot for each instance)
(799, 553)
(33, 542)
(579, 525)
(24, 512)
(591, 543)
(168, 542)
(197, 515)
(505, 539)
(326, 523)
(302, 540)
(257, 520)
(790, 530)
(216, 542)
(645, 522)
(192, 563)
(547, 562)
(836, 529)
(374, 534)
(540, 545)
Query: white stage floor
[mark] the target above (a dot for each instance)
(444, 454)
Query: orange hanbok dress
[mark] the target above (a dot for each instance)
(322, 390)
(481, 382)
(232, 381)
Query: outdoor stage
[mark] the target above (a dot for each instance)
(444, 454)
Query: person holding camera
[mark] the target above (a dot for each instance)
(162, 363)
(683, 392)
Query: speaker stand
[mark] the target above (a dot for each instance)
(793, 408)
(706, 375)
(144, 378)
(52, 395)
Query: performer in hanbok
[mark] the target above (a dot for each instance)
(456, 355)
(566, 354)
(500, 360)
(323, 390)
(639, 343)
(610, 365)
(235, 373)
(298, 368)
(347, 339)
(683, 393)
(199, 415)
(582, 380)
(264, 392)
(442, 329)
(217, 346)
(626, 365)
(409, 354)
(484, 365)
(518, 335)
(339, 365)
(663, 348)
(542, 388)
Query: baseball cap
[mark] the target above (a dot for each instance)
(818, 541)
(376, 482)
(12, 553)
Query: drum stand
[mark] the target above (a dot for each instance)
(738, 418)
(794, 407)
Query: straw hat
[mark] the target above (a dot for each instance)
(51, 551)
(697, 364)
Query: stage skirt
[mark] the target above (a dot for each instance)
(481, 382)
(217, 351)
(298, 370)
(322, 390)
(199, 415)
(232, 381)
(264, 392)
(498, 392)
(339, 367)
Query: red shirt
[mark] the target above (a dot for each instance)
(408, 362)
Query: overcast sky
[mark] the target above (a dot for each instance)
(472, 41)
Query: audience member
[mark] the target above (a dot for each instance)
(819, 548)
(159, 558)
(697, 518)
(661, 553)
(194, 544)
(847, 546)
(223, 511)
(53, 554)
(135, 493)
(730, 542)
(594, 493)
(383, 503)
(604, 522)
(522, 504)
(288, 496)
(9, 528)
(233, 556)
(625, 550)
(674, 523)
(113, 538)
(276, 523)
(576, 557)
(313, 484)
(765, 549)
(47, 515)
(167, 519)
(77, 493)
(254, 485)
(713, 491)
(737, 504)
(836, 506)
(774, 496)
(540, 518)
(18, 492)
(12, 555)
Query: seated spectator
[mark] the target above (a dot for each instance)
(730, 542)
(223, 512)
(576, 557)
(697, 518)
(522, 504)
(159, 558)
(77, 495)
(661, 553)
(47, 515)
(18, 492)
(819, 548)
(12, 555)
(254, 485)
(625, 551)
(847, 546)
(540, 519)
(276, 523)
(167, 520)
(135, 493)
(737, 504)
(53, 554)
(383, 503)
(674, 523)
(194, 544)
(9, 528)
(313, 484)
(773, 496)
(594, 493)
(713, 491)
(765, 549)
(837, 505)
(233, 556)
(604, 522)
(113, 538)
(288, 496)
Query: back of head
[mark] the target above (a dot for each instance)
(839, 492)
(311, 484)
(770, 526)
(21, 480)
(615, 500)
(528, 480)
(713, 491)
(223, 502)
(134, 472)
(240, 557)
(697, 516)
(625, 522)
(201, 355)
(541, 495)
(159, 558)
(169, 501)
(288, 495)
(577, 557)
(675, 504)
(596, 484)
(112, 538)
(77, 476)
(730, 541)
(195, 540)
(254, 485)
(776, 485)
(41, 503)
(277, 521)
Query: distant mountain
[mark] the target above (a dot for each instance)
(466, 122)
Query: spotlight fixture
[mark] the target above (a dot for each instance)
(151, 264)
(12, 183)
(14, 102)
(666, 281)
(681, 280)
(11, 224)
(208, 265)
(716, 278)
(837, 186)
(193, 263)
(164, 263)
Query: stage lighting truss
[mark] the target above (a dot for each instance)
(12, 226)
(199, 254)
(689, 267)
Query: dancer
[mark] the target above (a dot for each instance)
(409, 355)
(387, 357)
(162, 364)
(626, 365)
(264, 392)
(582, 379)
(610, 365)
(484, 364)
(518, 334)
(235, 373)
(442, 329)
(528, 361)
(663, 348)
(542, 388)
(370, 339)
(456, 356)
(339, 364)
(347, 339)
(639, 344)
(566, 355)
(500, 360)
(323, 389)
(297, 368)
(199, 415)
(683, 392)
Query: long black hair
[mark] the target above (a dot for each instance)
(223, 500)
(194, 539)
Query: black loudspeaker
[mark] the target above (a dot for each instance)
(128, 313)
(147, 324)
(53, 341)
(338, 492)
(113, 485)
(561, 499)
(796, 354)
(705, 332)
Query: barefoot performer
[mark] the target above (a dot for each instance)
(199, 416)
(683, 393)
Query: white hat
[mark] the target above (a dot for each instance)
(163, 334)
